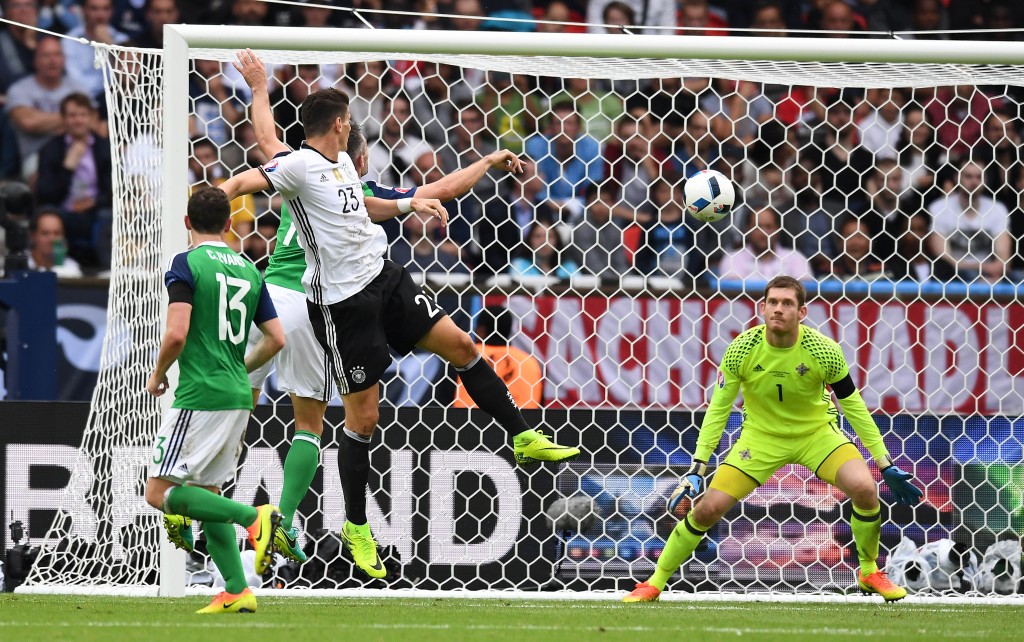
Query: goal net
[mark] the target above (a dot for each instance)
(884, 174)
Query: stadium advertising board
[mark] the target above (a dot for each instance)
(906, 357)
(458, 512)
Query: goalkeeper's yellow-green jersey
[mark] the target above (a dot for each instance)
(784, 391)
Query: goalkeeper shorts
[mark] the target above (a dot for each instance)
(758, 455)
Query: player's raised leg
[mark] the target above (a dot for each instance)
(490, 393)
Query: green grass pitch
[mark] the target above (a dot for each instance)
(25, 618)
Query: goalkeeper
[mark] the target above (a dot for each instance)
(785, 370)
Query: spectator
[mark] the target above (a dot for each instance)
(769, 15)
(837, 20)
(912, 260)
(969, 231)
(59, 16)
(158, 13)
(619, 17)
(520, 370)
(598, 237)
(567, 159)
(998, 152)
(558, 11)
(399, 145)
(367, 82)
(216, 107)
(959, 112)
(918, 155)
(506, 221)
(928, 15)
(762, 256)
(697, 19)
(252, 13)
(543, 254)
(47, 247)
(842, 160)
(96, 27)
(807, 223)
(435, 102)
(258, 246)
(423, 247)
(880, 129)
(633, 163)
(511, 108)
(669, 239)
(294, 84)
(598, 109)
(75, 178)
(855, 262)
(33, 103)
(469, 141)
(647, 13)
(888, 213)
(17, 43)
(695, 148)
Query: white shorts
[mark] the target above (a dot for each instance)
(199, 447)
(301, 364)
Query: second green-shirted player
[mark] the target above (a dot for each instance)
(785, 371)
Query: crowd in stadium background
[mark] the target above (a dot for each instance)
(846, 184)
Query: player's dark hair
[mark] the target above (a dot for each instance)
(356, 141)
(494, 325)
(788, 283)
(208, 210)
(320, 109)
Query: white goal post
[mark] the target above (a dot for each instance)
(664, 332)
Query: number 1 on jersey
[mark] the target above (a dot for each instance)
(779, 386)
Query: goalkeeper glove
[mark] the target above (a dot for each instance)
(899, 484)
(690, 485)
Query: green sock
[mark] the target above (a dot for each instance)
(299, 468)
(199, 503)
(867, 529)
(220, 541)
(681, 543)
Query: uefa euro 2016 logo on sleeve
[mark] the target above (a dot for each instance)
(721, 379)
(270, 167)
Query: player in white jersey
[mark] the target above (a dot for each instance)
(360, 305)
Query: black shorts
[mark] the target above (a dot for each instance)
(391, 312)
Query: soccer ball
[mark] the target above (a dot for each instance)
(709, 196)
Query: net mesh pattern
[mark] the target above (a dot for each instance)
(844, 170)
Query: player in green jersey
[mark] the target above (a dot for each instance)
(214, 297)
(785, 371)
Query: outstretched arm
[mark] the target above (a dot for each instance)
(249, 181)
(461, 181)
(382, 209)
(255, 75)
(856, 412)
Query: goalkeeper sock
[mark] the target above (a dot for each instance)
(867, 529)
(681, 543)
(354, 469)
(199, 503)
(299, 468)
(492, 396)
(223, 548)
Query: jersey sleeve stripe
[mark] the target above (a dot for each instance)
(301, 219)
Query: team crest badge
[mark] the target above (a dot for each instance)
(745, 454)
(802, 369)
(358, 374)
